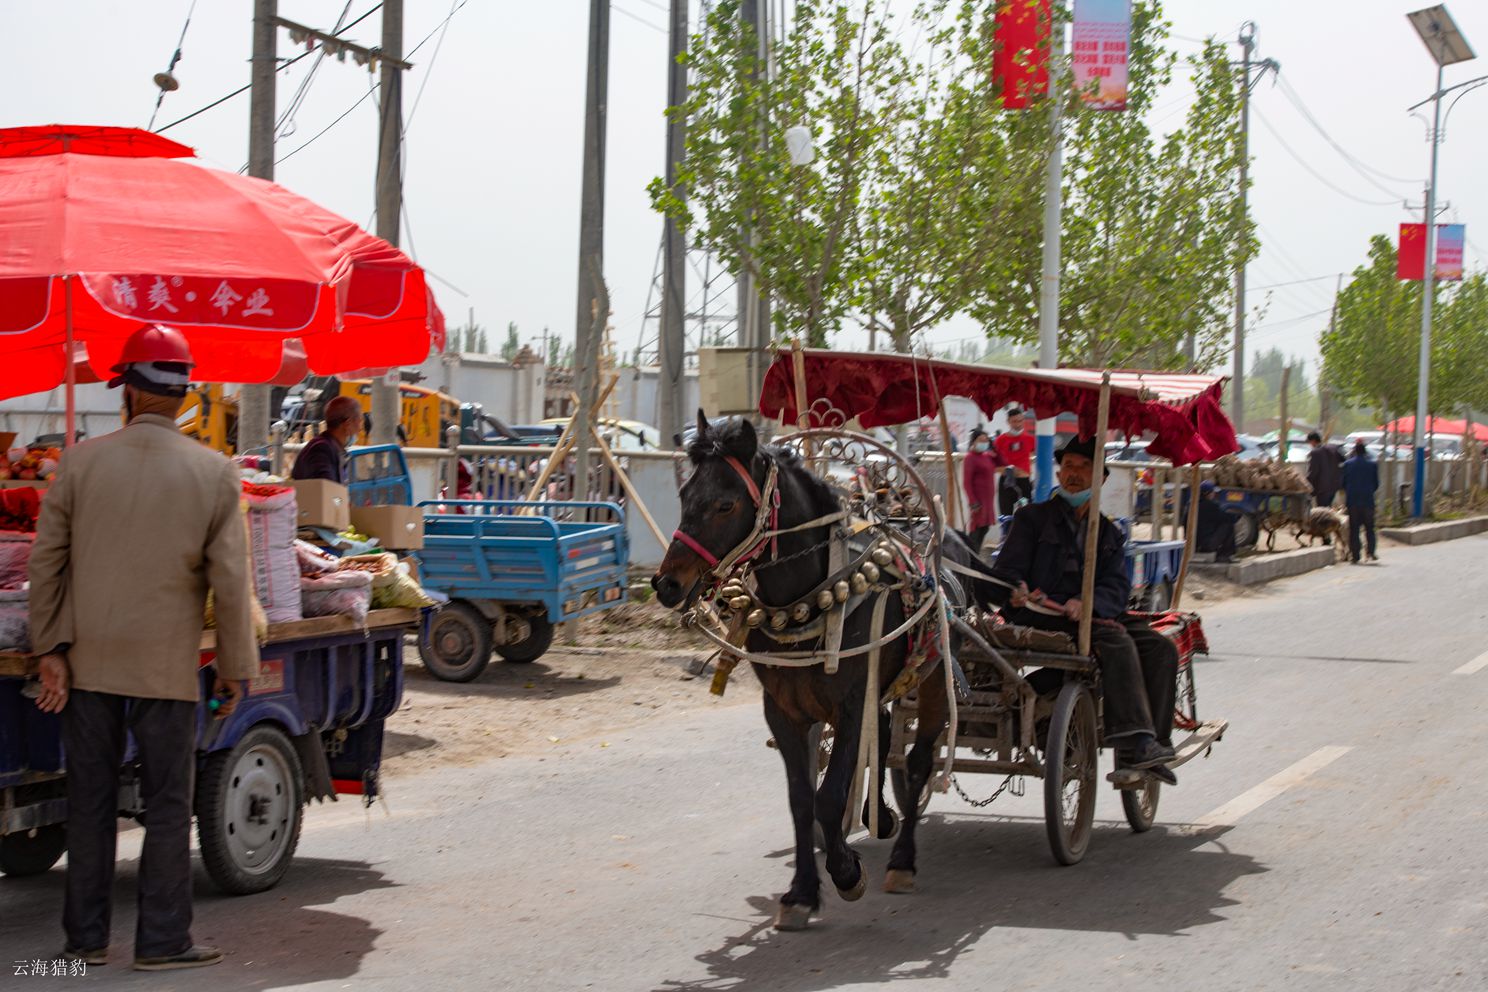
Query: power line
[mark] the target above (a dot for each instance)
(638, 19)
(1360, 166)
(1318, 175)
(222, 100)
(1277, 324)
(303, 91)
(172, 67)
(1296, 282)
(429, 69)
(332, 124)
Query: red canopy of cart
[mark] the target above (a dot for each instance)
(1181, 412)
(105, 229)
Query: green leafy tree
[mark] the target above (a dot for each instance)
(512, 344)
(1460, 355)
(1371, 355)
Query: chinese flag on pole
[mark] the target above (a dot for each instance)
(1410, 262)
(1020, 64)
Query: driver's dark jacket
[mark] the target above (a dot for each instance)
(1042, 549)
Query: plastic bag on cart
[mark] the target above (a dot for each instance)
(15, 623)
(271, 541)
(15, 552)
(314, 561)
(346, 594)
(392, 585)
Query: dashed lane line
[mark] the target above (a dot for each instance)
(1252, 799)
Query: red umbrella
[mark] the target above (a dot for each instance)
(103, 229)
(1436, 425)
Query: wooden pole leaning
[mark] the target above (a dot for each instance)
(803, 413)
(1093, 516)
(630, 489)
(1190, 531)
(953, 493)
(566, 442)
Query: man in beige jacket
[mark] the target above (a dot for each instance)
(136, 528)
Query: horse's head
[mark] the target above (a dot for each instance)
(719, 508)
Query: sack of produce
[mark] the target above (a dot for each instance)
(15, 552)
(314, 561)
(347, 594)
(15, 624)
(392, 585)
(271, 542)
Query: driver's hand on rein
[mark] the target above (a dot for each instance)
(1019, 596)
(1072, 609)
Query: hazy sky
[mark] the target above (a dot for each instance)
(493, 142)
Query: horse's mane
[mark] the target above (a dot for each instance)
(736, 438)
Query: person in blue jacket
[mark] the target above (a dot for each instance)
(1042, 558)
(1360, 484)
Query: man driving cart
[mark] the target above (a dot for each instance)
(1042, 559)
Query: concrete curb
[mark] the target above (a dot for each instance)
(1446, 530)
(1267, 568)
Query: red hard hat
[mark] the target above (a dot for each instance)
(156, 343)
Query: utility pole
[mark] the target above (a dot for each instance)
(672, 342)
(1043, 475)
(591, 236)
(253, 401)
(1325, 395)
(753, 316)
(387, 407)
(1237, 385)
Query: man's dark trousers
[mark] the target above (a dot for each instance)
(93, 732)
(1139, 672)
(1361, 515)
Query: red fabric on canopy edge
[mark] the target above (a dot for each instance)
(1189, 425)
(88, 139)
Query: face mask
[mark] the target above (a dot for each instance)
(980, 446)
(1075, 500)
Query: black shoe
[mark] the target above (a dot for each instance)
(1223, 559)
(97, 956)
(1163, 774)
(192, 957)
(1149, 754)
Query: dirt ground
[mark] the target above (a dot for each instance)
(627, 663)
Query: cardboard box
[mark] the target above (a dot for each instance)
(398, 528)
(322, 504)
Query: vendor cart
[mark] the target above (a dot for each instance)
(310, 727)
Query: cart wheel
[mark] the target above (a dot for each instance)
(1186, 702)
(250, 803)
(31, 852)
(1070, 773)
(532, 647)
(1246, 531)
(1158, 598)
(1141, 804)
(457, 645)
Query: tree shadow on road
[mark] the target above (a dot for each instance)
(271, 940)
(509, 681)
(978, 875)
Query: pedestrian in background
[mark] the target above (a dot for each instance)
(979, 478)
(1360, 484)
(1324, 470)
(136, 528)
(1015, 447)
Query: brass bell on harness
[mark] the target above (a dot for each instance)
(840, 590)
(859, 583)
(755, 618)
(882, 557)
(824, 599)
(800, 612)
(870, 571)
(778, 620)
(739, 602)
(733, 591)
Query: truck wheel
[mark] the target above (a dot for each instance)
(457, 646)
(1246, 531)
(532, 647)
(31, 852)
(250, 803)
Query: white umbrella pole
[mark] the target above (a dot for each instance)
(71, 369)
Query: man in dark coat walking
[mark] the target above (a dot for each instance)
(1324, 469)
(1360, 484)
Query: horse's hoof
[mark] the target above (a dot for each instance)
(792, 917)
(899, 881)
(856, 892)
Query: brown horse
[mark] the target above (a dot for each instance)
(721, 513)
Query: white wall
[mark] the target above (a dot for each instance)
(98, 412)
(513, 394)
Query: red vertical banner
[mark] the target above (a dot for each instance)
(1020, 64)
(1410, 262)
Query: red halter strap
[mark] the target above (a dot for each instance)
(755, 497)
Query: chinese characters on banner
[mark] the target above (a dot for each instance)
(264, 304)
(1411, 260)
(1020, 64)
(1102, 35)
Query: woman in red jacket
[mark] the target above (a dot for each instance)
(979, 477)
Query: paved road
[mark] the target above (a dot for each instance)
(1334, 840)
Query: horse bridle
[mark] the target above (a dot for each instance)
(766, 522)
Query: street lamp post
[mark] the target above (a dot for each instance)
(1447, 46)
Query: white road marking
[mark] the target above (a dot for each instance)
(1252, 799)
(1476, 665)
